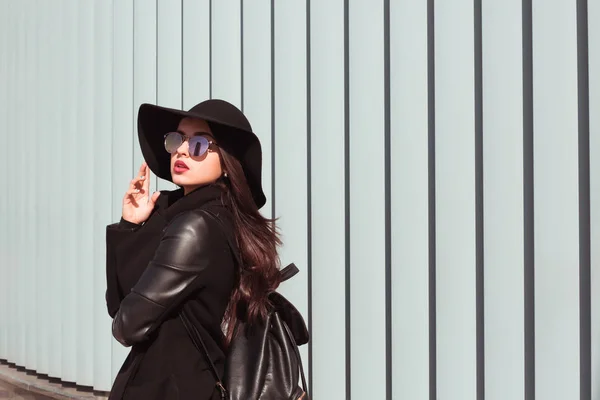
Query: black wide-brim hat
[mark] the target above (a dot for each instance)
(229, 126)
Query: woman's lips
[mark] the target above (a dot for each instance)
(180, 167)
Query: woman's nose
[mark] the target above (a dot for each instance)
(183, 149)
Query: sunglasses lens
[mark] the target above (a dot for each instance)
(198, 146)
(172, 141)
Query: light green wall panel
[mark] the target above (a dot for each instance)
(367, 113)
(503, 200)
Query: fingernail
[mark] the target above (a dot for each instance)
(142, 177)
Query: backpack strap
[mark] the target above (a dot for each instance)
(288, 272)
(201, 347)
(298, 356)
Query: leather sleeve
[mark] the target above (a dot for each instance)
(189, 255)
(115, 234)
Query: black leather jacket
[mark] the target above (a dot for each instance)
(182, 260)
(179, 258)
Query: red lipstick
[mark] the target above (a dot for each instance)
(180, 167)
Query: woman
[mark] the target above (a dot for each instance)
(170, 251)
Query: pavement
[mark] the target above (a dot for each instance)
(16, 383)
(15, 393)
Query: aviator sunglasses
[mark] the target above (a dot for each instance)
(198, 145)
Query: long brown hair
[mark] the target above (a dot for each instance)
(257, 239)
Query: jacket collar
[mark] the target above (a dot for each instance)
(172, 203)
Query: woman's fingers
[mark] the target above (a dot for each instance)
(138, 181)
(146, 179)
(132, 200)
(140, 185)
(134, 185)
(142, 169)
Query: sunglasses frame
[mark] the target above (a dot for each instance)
(185, 138)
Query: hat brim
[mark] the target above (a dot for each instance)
(155, 121)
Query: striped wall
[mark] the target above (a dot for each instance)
(433, 166)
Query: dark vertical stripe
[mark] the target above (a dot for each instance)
(242, 55)
(431, 196)
(182, 60)
(273, 108)
(156, 60)
(388, 202)
(309, 193)
(585, 328)
(528, 210)
(479, 255)
(210, 39)
(156, 178)
(133, 137)
(347, 196)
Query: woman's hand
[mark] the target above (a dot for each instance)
(137, 204)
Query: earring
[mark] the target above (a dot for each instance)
(225, 174)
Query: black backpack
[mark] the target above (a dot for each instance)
(263, 361)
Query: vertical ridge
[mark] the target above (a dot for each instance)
(155, 178)
(273, 109)
(242, 55)
(309, 193)
(585, 327)
(479, 217)
(388, 202)
(182, 47)
(347, 197)
(133, 83)
(210, 40)
(528, 203)
(156, 60)
(431, 198)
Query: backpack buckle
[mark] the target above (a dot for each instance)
(222, 390)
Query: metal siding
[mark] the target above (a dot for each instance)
(44, 97)
(556, 200)
(291, 160)
(409, 186)
(87, 66)
(594, 87)
(455, 200)
(69, 179)
(56, 126)
(10, 89)
(168, 63)
(21, 254)
(87, 99)
(226, 51)
(100, 364)
(124, 136)
(196, 52)
(367, 234)
(144, 71)
(256, 70)
(503, 200)
(31, 46)
(327, 201)
(4, 101)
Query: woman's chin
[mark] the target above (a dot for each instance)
(178, 181)
(191, 183)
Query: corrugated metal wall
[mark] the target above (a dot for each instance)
(56, 110)
(433, 165)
